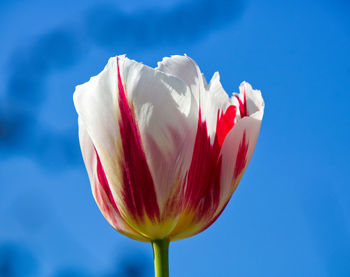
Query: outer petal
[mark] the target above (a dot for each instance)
(100, 189)
(236, 152)
(200, 191)
(97, 105)
(133, 110)
(164, 108)
(110, 122)
(239, 145)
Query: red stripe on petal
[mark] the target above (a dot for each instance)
(202, 190)
(242, 105)
(138, 186)
(101, 176)
(213, 219)
(104, 205)
(241, 162)
(241, 159)
(225, 122)
(102, 182)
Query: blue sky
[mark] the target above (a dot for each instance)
(290, 215)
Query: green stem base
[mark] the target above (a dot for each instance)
(161, 259)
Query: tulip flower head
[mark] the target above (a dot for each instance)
(164, 149)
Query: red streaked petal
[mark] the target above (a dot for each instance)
(100, 186)
(253, 101)
(111, 212)
(138, 186)
(102, 179)
(105, 205)
(241, 160)
(225, 123)
(202, 189)
(242, 105)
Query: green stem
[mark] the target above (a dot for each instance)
(160, 254)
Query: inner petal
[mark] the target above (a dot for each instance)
(225, 122)
(242, 105)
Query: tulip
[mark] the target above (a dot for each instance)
(164, 150)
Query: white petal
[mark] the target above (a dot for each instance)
(215, 100)
(112, 216)
(233, 162)
(255, 102)
(166, 116)
(167, 120)
(97, 105)
(230, 148)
